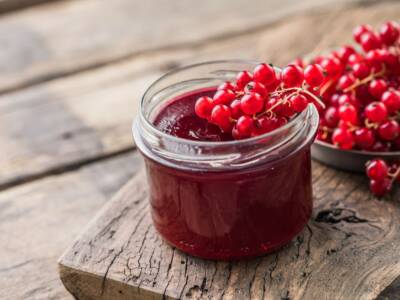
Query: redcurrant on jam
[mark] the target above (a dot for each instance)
(212, 196)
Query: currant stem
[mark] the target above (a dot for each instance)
(327, 129)
(277, 104)
(278, 92)
(352, 127)
(370, 125)
(300, 90)
(395, 174)
(367, 79)
(322, 104)
(326, 86)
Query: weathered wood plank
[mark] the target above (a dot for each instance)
(53, 40)
(89, 115)
(350, 250)
(38, 220)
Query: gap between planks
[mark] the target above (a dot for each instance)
(61, 169)
(9, 6)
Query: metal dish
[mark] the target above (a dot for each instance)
(348, 160)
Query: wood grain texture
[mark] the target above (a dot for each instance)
(65, 37)
(38, 220)
(89, 115)
(349, 250)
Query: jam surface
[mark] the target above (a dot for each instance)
(226, 215)
(179, 119)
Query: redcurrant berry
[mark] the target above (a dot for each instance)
(298, 102)
(242, 79)
(348, 99)
(332, 66)
(221, 116)
(235, 133)
(389, 32)
(348, 113)
(361, 70)
(276, 83)
(364, 138)
(266, 124)
(375, 60)
(251, 103)
(313, 75)
(223, 97)
(292, 76)
(331, 116)
(245, 125)
(374, 57)
(345, 81)
(236, 109)
(359, 31)
(377, 169)
(264, 74)
(343, 138)
(392, 62)
(376, 112)
(203, 107)
(355, 58)
(369, 41)
(380, 187)
(391, 99)
(389, 130)
(344, 53)
(256, 87)
(334, 100)
(227, 85)
(377, 87)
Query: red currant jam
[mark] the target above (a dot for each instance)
(179, 119)
(228, 214)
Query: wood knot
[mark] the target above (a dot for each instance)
(337, 215)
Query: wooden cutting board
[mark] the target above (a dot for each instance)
(349, 250)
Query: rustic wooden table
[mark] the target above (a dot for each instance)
(72, 75)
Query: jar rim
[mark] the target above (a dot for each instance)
(153, 128)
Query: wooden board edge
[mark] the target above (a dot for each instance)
(88, 286)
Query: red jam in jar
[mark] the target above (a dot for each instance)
(212, 196)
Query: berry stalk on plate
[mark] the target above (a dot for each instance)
(262, 100)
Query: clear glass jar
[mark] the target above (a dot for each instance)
(225, 200)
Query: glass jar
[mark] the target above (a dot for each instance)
(225, 200)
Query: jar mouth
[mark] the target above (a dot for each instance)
(152, 127)
(192, 155)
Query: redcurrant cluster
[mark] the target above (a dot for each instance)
(261, 101)
(382, 176)
(361, 91)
